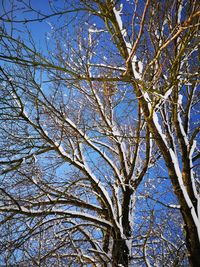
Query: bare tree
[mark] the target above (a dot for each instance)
(71, 163)
(77, 105)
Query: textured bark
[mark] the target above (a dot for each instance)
(192, 240)
(126, 212)
(120, 253)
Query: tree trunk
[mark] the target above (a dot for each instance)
(120, 253)
(192, 239)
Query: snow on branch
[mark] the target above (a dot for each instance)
(68, 213)
(137, 65)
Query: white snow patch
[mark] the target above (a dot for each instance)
(158, 127)
(180, 122)
(167, 94)
(180, 8)
(93, 30)
(148, 100)
(174, 206)
(46, 133)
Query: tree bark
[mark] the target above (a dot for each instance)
(120, 253)
(192, 240)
